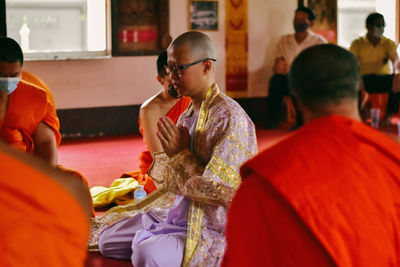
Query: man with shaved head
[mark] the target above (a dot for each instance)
(329, 194)
(199, 164)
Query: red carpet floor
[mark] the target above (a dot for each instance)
(101, 160)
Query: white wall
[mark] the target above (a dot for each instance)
(268, 20)
(131, 80)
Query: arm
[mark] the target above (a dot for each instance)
(45, 144)
(148, 120)
(364, 94)
(280, 65)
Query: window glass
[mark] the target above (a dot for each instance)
(55, 28)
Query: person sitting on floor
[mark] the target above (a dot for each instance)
(289, 46)
(375, 53)
(166, 102)
(327, 195)
(28, 119)
(45, 222)
(199, 163)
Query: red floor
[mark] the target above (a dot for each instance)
(101, 160)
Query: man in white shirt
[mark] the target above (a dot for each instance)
(289, 46)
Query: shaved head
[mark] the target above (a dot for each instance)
(199, 44)
(324, 74)
(191, 56)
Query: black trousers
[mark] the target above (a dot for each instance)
(278, 88)
(382, 84)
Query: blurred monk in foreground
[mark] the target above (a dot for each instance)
(327, 195)
(34, 230)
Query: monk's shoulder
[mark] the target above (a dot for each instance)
(151, 107)
(31, 91)
(152, 102)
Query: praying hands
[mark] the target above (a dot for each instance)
(173, 138)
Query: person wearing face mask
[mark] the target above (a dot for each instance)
(289, 46)
(28, 119)
(375, 54)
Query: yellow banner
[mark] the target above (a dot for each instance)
(236, 48)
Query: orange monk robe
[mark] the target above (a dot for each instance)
(28, 106)
(35, 231)
(328, 195)
(145, 157)
(32, 78)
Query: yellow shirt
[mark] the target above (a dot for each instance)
(373, 59)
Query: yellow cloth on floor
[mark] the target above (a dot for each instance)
(120, 192)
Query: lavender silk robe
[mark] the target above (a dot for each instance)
(204, 180)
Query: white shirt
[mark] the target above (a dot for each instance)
(288, 47)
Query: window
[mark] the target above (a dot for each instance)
(352, 15)
(62, 29)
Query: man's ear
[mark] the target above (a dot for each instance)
(160, 80)
(311, 24)
(207, 66)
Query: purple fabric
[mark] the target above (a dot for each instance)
(154, 238)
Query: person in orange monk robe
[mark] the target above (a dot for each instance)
(34, 231)
(28, 119)
(327, 195)
(166, 102)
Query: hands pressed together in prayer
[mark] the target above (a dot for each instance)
(173, 138)
(281, 66)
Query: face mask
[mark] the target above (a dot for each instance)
(8, 85)
(378, 32)
(300, 27)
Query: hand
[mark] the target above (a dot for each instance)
(281, 66)
(396, 83)
(173, 139)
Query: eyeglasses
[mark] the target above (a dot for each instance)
(180, 69)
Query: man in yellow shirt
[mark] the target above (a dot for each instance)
(375, 53)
